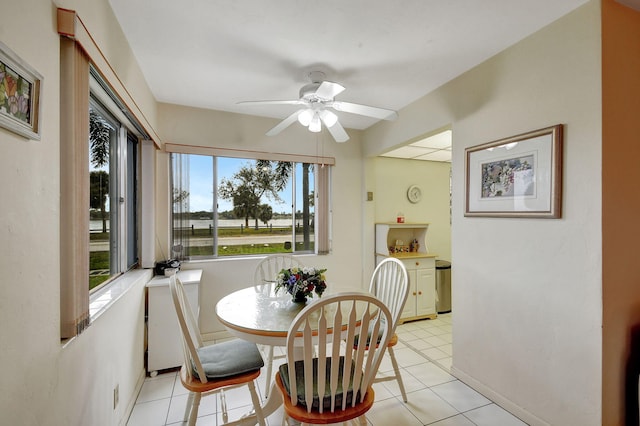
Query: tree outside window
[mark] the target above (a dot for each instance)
(258, 207)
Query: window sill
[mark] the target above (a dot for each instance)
(102, 299)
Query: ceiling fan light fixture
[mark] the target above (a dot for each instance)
(314, 125)
(317, 105)
(305, 117)
(329, 118)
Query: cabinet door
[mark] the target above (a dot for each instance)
(164, 341)
(426, 291)
(409, 310)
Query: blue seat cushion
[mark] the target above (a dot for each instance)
(383, 327)
(326, 400)
(229, 358)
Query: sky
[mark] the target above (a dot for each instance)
(201, 186)
(201, 182)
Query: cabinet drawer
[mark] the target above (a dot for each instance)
(419, 263)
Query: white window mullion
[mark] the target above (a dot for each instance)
(122, 198)
(147, 205)
(293, 207)
(215, 205)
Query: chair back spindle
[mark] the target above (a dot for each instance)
(335, 373)
(192, 339)
(270, 266)
(265, 273)
(390, 283)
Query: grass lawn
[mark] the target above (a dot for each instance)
(99, 260)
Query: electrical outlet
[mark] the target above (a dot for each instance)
(116, 396)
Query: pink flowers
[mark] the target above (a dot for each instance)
(14, 94)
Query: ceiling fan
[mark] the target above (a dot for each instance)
(316, 99)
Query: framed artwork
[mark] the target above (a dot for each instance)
(20, 87)
(520, 176)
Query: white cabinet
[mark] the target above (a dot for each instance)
(397, 239)
(421, 302)
(164, 344)
(407, 242)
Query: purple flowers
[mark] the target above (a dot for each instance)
(301, 282)
(14, 93)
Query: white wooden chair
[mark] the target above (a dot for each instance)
(390, 284)
(336, 385)
(265, 273)
(269, 267)
(213, 368)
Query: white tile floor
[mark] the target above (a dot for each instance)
(424, 352)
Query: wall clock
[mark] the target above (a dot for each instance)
(414, 194)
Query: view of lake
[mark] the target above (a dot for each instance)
(96, 225)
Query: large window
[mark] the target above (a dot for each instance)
(113, 157)
(92, 94)
(227, 206)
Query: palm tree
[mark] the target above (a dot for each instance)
(99, 138)
(98, 191)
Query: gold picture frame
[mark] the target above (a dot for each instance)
(519, 176)
(20, 87)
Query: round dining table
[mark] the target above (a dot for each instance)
(257, 314)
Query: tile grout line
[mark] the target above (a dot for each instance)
(425, 356)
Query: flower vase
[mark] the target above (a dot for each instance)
(299, 298)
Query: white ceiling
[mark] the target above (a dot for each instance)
(430, 148)
(214, 53)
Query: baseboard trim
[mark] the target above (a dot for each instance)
(134, 397)
(498, 398)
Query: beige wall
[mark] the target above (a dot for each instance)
(392, 179)
(527, 292)
(44, 383)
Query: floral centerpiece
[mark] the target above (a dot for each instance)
(301, 282)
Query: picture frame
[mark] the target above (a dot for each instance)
(20, 89)
(519, 176)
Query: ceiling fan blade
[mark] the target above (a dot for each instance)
(284, 123)
(369, 111)
(336, 130)
(328, 90)
(291, 102)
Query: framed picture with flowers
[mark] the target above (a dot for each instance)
(20, 87)
(519, 176)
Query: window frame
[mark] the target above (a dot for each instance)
(79, 52)
(124, 185)
(322, 228)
